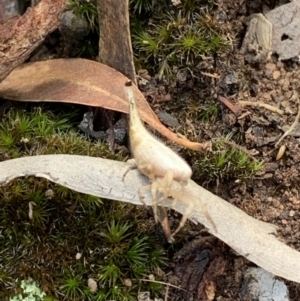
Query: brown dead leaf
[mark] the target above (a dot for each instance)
(85, 82)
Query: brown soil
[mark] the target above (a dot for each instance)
(205, 266)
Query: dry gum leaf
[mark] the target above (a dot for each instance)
(251, 238)
(84, 82)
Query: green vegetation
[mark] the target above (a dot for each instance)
(73, 287)
(87, 10)
(195, 110)
(175, 40)
(225, 161)
(164, 40)
(61, 238)
(30, 292)
(141, 6)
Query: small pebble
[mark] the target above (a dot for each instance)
(92, 284)
(276, 203)
(294, 200)
(292, 213)
(270, 66)
(276, 74)
(127, 282)
(260, 285)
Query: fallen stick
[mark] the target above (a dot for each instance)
(245, 103)
(21, 35)
(233, 108)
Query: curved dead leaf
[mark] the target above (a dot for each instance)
(251, 238)
(81, 81)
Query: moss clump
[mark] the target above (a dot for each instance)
(175, 40)
(225, 161)
(61, 238)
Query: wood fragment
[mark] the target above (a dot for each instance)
(21, 35)
(233, 108)
(30, 209)
(244, 115)
(217, 76)
(114, 30)
(255, 104)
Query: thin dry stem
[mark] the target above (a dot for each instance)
(165, 283)
(255, 104)
(294, 123)
(217, 76)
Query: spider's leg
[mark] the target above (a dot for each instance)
(189, 210)
(147, 170)
(166, 183)
(143, 188)
(131, 167)
(208, 217)
(154, 190)
(184, 218)
(160, 213)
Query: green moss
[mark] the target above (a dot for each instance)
(225, 161)
(178, 39)
(73, 287)
(43, 226)
(86, 10)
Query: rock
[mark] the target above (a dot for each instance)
(9, 9)
(260, 285)
(144, 296)
(128, 282)
(92, 284)
(276, 32)
(276, 74)
(168, 119)
(286, 30)
(257, 131)
(257, 43)
(75, 25)
(181, 76)
(229, 83)
(86, 126)
(271, 66)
